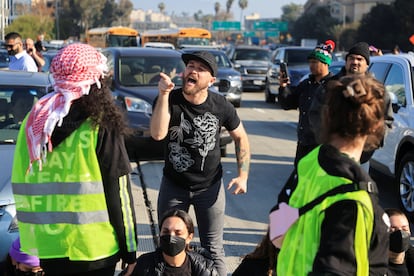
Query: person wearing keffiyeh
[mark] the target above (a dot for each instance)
(74, 203)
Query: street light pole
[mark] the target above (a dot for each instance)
(57, 19)
(2, 19)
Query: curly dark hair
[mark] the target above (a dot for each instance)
(101, 108)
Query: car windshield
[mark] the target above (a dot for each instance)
(15, 103)
(251, 54)
(144, 71)
(297, 57)
(222, 60)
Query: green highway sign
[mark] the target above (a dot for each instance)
(272, 34)
(226, 26)
(249, 34)
(270, 26)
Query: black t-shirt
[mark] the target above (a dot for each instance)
(183, 270)
(193, 142)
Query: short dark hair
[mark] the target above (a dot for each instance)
(394, 212)
(12, 35)
(183, 215)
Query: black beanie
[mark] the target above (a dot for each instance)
(360, 48)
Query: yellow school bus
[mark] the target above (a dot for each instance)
(180, 37)
(112, 36)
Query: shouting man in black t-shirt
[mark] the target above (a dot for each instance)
(190, 120)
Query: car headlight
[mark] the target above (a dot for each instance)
(241, 69)
(13, 227)
(138, 105)
(235, 81)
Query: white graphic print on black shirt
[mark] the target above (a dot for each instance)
(204, 139)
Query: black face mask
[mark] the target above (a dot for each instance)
(11, 52)
(172, 245)
(399, 241)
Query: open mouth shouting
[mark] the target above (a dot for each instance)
(191, 80)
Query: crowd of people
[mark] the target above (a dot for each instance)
(24, 55)
(79, 218)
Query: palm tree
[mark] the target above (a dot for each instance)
(161, 7)
(216, 8)
(242, 5)
(228, 6)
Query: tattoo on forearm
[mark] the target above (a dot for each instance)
(243, 158)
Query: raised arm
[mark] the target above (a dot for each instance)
(160, 116)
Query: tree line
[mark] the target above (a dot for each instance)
(384, 26)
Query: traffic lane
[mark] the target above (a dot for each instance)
(272, 137)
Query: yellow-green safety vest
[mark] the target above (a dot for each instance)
(61, 210)
(301, 241)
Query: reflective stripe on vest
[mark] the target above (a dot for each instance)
(301, 242)
(62, 210)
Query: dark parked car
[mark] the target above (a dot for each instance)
(253, 62)
(18, 91)
(48, 56)
(228, 80)
(135, 86)
(4, 59)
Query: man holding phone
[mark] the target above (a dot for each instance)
(36, 55)
(301, 97)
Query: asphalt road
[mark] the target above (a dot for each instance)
(272, 135)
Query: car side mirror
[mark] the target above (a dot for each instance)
(277, 61)
(394, 102)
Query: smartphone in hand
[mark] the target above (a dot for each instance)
(283, 70)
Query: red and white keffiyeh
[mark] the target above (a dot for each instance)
(75, 68)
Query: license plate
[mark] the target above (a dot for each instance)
(258, 82)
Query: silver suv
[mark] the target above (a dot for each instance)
(252, 62)
(396, 157)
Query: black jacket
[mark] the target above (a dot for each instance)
(339, 222)
(301, 97)
(152, 264)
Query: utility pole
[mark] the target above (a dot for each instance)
(57, 19)
(4, 13)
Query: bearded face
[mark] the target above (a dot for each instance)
(197, 77)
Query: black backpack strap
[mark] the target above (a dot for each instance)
(370, 187)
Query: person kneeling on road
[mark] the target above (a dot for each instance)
(174, 256)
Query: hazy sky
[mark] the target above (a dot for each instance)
(266, 8)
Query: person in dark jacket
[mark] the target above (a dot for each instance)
(356, 63)
(401, 253)
(301, 97)
(175, 256)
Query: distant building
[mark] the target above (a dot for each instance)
(348, 10)
(149, 20)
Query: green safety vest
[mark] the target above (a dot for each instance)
(61, 210)
(301, 242)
